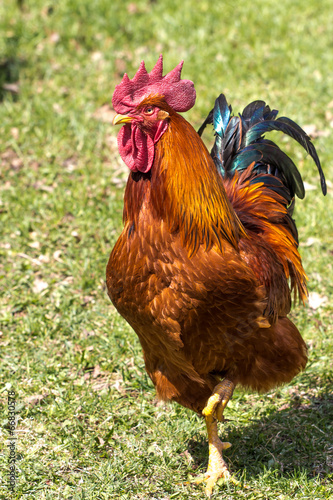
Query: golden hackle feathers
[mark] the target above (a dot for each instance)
(185, 189)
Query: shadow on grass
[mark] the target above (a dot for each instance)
(10, 62)
(9, 76)
(292, 439)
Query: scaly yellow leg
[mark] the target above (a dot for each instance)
(213, 411)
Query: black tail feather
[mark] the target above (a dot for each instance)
(239, 141)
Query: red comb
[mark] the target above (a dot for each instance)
(179, 94)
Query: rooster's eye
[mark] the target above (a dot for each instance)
(149, 110)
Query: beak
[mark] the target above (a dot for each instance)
(118, 119)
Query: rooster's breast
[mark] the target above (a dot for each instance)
(183, 304)
(138, 271)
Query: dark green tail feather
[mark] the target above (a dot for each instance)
(239, 141)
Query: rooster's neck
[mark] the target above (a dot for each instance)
(184, 190)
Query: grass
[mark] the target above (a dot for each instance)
(88, 424)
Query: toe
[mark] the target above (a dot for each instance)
(212, 403)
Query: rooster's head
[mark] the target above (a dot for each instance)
(144, 105)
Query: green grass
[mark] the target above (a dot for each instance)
(88, 423)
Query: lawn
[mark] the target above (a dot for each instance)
(88, 425)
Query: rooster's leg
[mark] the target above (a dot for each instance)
(217, 468)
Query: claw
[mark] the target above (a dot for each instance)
(211, 478)
(220, 409)
(212, 403)
(219, 400)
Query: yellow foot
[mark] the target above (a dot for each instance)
(211, 480)
(219, 400)
(217, 468)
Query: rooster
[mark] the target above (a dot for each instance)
(207, 263)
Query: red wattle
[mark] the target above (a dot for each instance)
(136, 148)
